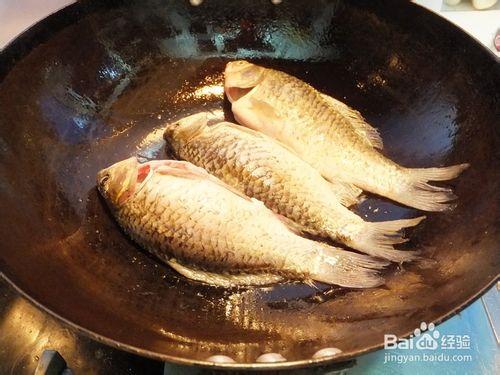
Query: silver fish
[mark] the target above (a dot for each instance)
(209, 232)
(260, 167)
(332, 137)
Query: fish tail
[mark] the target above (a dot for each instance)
(347, 269)
(378, 239)
(420, 194)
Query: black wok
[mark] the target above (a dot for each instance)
(93, 84)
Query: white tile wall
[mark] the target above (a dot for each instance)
(18, 15)
(481, 24)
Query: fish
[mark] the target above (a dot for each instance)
(331, 136)
(262, 168)
(211, 233)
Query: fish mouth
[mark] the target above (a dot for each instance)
(236, 93)
(120, 167)
(241, 77)
(117, 182)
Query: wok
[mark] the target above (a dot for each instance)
(95, 82)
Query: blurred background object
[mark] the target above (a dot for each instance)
(469, 4)
(482, 25)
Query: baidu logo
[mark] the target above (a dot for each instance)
(426, 337)
(425, 341)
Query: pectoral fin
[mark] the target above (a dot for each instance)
(257, 115)
(185, 169)
(265, 110)
(224, 280)
(292, 225)
(365, 130)
(348, 195)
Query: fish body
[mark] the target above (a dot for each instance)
(260, 167)
(209, 232)
(332, 137)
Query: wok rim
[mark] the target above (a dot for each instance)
(30, 33)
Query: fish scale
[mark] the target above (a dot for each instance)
(208, 232)
(182, 238)
(261, 168)
(237, 160)
(332, 137)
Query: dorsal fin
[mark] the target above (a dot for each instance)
(365, 130)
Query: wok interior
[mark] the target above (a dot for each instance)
(100, 83)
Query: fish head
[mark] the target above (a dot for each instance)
(177, 134)
(118, 182)
(251, 108)
(240, 77)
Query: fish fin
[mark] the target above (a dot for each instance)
(185, 169)
(265, 110)
(347, 194)
(292, 225)
(260, 135)
(378, 239)
(223, 280)
(418, 193)
(243, 129)
(269, 120)
(180, 168)
(289, 223)
(365, 130)
(262, 117)
(347, 269)
(439, 174)
(256, 114)
(253, 133)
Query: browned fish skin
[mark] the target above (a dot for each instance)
(184, 214)
(261, 168)
(296, 114)
(174, 224)
(253, 165)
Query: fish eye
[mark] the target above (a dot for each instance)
(104, 180)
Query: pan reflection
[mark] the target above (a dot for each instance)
(209, 91)
(280, 39)
(210, 88)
